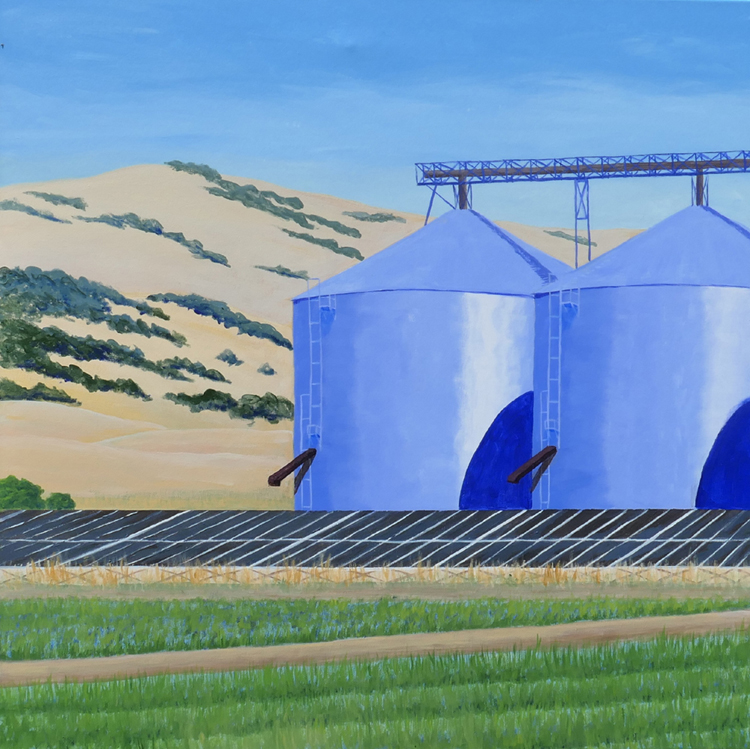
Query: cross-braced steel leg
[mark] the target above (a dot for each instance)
(700, 189)
(582, 212)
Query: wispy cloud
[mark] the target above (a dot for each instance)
(317, 138)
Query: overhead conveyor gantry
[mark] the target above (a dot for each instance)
(462, 175)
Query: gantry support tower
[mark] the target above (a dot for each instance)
(462, 175)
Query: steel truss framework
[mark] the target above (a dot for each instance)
(569, 538)
(461, 175)
(588, 167)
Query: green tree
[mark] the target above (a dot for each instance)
(60, 501)
(20, 494)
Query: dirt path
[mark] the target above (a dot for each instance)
(20, 673)
(364, 591)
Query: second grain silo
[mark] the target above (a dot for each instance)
(642, 372)
(413, 372)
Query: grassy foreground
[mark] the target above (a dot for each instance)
(75, 627)
(662, 693)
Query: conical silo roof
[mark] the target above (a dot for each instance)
(461, 251)
(697, 246)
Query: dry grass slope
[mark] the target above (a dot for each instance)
(52, 574)
(115, 450)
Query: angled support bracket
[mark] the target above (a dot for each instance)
(542, 459)
(303, 461)
(453, 205)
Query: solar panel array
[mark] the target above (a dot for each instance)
(374, 539)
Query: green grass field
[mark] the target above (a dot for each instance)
(658, 694)
(76, 627)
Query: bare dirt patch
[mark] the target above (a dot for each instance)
(577, 634)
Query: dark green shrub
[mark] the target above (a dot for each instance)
(177, 363)
(270, 407)
(190, 167)
(14, 205)
(33, 293)
(25, 346)
(12, 391)
(56, 199)
(262, 200)
(152, 226)
(284, 271)
(60, 501)
(229, 357)
(379, 218)
(235, 191)
(329, 244)
(221, 312)
(20, 494)
(569, 237)
(210, 400)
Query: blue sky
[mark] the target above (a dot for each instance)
(343, 97)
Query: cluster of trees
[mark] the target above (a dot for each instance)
(272, 408)
(223, 314)
(329, 244)
(152, 226)
(378, 218)
(32, 293)
(282, 270)
(262, 200)
(57, 199)
(21, 494)
(14, 205)
(26, 346)
(12, 391)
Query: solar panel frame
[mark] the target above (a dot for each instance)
(375, 538)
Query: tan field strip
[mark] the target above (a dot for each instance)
(267, 578)
(577, 634)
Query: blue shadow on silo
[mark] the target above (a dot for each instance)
(725, 481)
(506, 445)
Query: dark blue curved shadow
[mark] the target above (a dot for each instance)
(725, 480)
(506, 446)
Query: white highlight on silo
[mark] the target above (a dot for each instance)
(497, 355)
(727, 361)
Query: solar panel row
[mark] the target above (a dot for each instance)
(373, 539)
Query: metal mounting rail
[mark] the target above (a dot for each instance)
(589, 167)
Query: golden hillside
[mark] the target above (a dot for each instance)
(150, 231)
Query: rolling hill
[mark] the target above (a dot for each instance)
(145, 328)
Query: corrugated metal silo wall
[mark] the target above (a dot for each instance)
(649, 377)
(411, 382)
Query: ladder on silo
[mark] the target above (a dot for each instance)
(550, 416)
(311, 418)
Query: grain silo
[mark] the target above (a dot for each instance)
(404, 363)
(641, 361)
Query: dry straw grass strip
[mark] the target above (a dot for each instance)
(53, 573)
